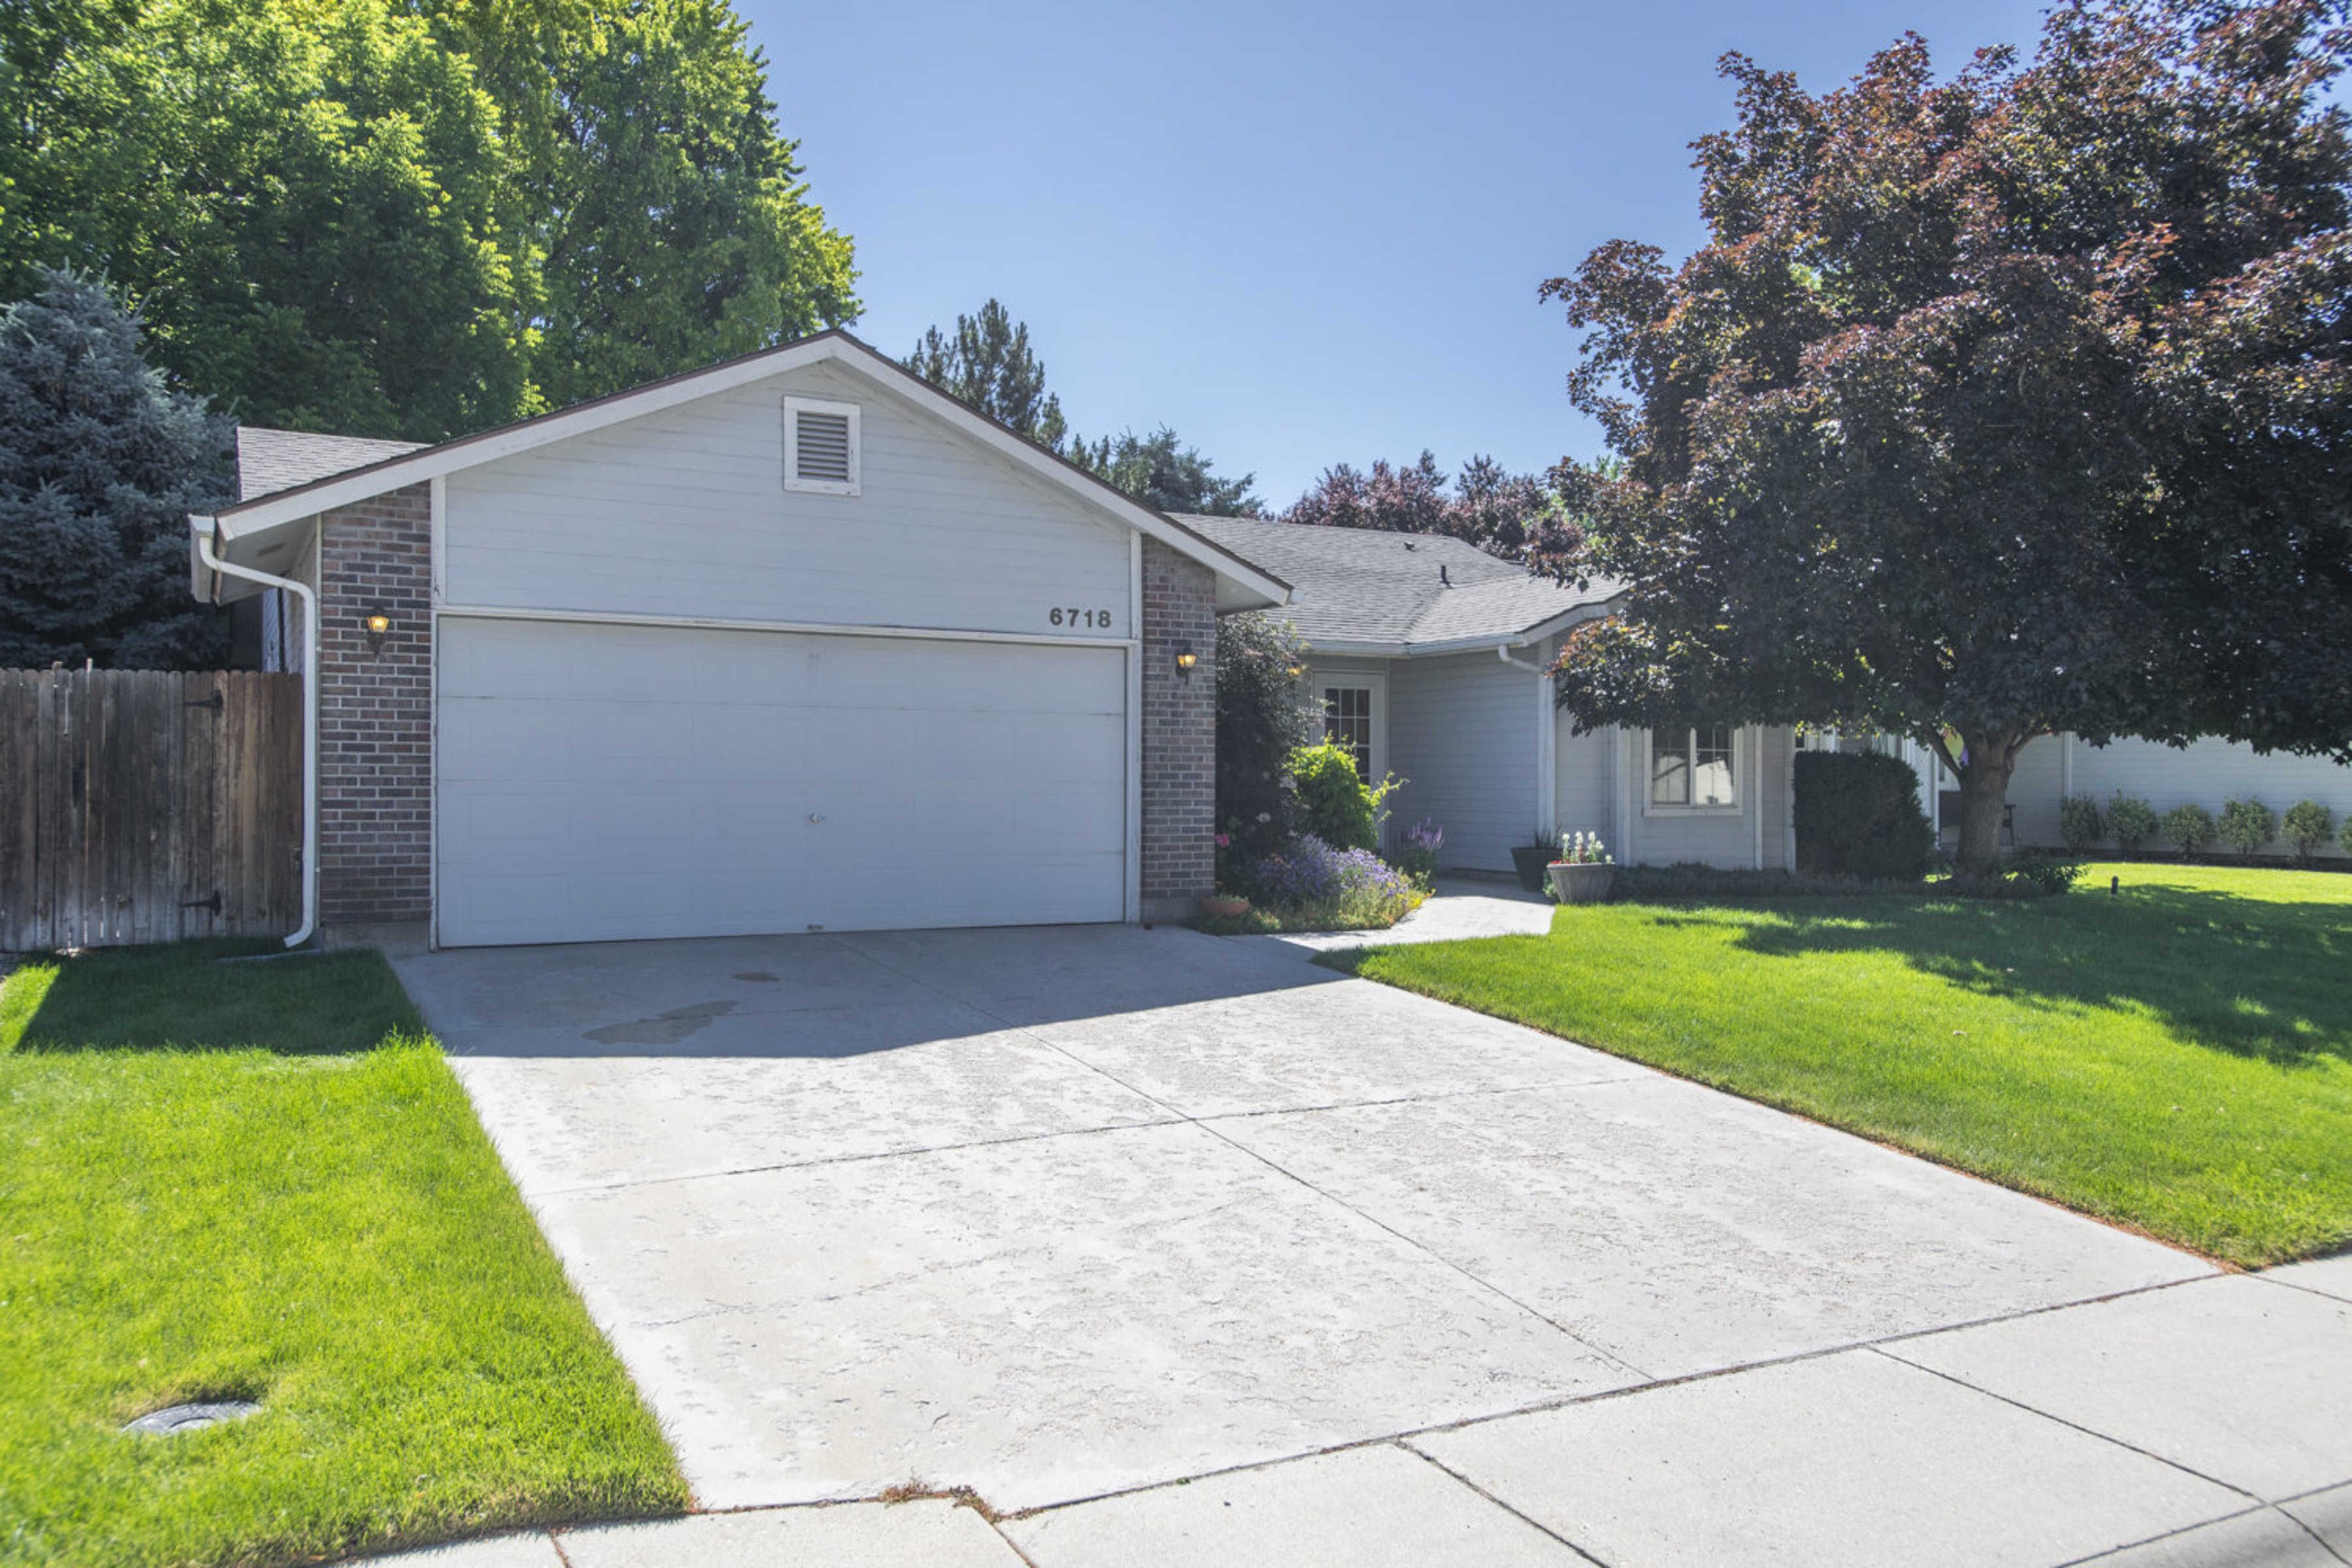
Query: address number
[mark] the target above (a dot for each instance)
(1093, 620)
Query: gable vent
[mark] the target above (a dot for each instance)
(820, 446)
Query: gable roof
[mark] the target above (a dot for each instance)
(269, 461)
(1240, 583)
(1361, 590)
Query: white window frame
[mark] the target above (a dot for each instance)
(1741, 760)
(1375, 681)
(793, 408)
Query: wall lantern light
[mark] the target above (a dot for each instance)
(1297, 671)
(379, 626)
(1185, 659)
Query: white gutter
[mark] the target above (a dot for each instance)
(206, 531)
(1547, 741)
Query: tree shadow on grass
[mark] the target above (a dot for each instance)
(218, 994)
(2254, 977)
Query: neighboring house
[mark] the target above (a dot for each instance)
(1430, 659)
(796, 642)
(2206, 772)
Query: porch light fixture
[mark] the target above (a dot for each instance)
(379, 626)
(1185, 659)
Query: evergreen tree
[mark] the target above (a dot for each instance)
(988, 364)
(100, 463)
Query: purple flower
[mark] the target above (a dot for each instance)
(1311, 871)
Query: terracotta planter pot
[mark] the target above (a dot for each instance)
(1530, 860)
(1221, 908)
(1580, 884)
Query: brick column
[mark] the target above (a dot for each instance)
(375, 711)
(1180, 734)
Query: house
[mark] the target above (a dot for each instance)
(792, 643)
(1430, 658)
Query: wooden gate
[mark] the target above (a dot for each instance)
(148, 806)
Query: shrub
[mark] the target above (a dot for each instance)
(2189, 828)
(2306, 827)
(1858, 816)
(2130, 820)
(1334, 804)
(2045, 875)
(1417, 856)
(2079, 825)
(1357, 886)
(2344, 836)
(1263, 717)
(2246, 826)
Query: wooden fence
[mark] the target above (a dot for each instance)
(148, 806)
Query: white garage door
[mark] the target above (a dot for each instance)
(602, 782)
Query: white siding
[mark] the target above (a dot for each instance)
(683, 513)
(1731, 839)
(2207, 772)
(1462, 732)
(1584, 789)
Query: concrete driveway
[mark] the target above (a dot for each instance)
(1058, 1213)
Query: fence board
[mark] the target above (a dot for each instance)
(144, 806)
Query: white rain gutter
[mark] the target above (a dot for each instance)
(1547, 741)
(206, 531)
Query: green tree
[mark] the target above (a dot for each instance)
(2003, 405)
(668, 214)
(349, 215)
(1162, 472)
(1263, 714)
(305, 204)
(988, 363)
(100, 463)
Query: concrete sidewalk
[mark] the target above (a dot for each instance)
(2193, 1426)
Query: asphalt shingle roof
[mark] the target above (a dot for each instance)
(1368, 585)
(269, 461)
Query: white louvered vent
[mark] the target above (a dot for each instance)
(820, 446)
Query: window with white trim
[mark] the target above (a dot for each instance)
(1348, 723)
(1695, 768)
(820, 446)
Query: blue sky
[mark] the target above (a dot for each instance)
(1299, 233)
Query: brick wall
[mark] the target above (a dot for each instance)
(1180, 733)
(375, 711)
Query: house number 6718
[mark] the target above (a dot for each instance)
(1093, 620)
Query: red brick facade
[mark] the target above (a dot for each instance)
(1180, 733)
(375, 711)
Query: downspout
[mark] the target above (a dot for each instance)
(1547, 743)
(206, 531)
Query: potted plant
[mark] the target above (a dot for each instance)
(1530, 860)
(1582, 873)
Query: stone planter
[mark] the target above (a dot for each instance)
(1218, 908)
(1580, 884)
(1530, 860)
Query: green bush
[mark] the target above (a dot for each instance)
(2079, 825)
(2131, 821)
(1262, 716)
(2191, 828)
(1858, 816)
(1334, 804)
(2345, 837)
(2307, 826)
(2047, 875)
(2246, 826)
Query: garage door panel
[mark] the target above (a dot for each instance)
(602, 782)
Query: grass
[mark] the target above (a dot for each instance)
(2177, 1059)
(261, 1181)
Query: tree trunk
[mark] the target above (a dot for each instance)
(1984, 803)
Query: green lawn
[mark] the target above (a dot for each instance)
(261, 1181)
(2177, 1058)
